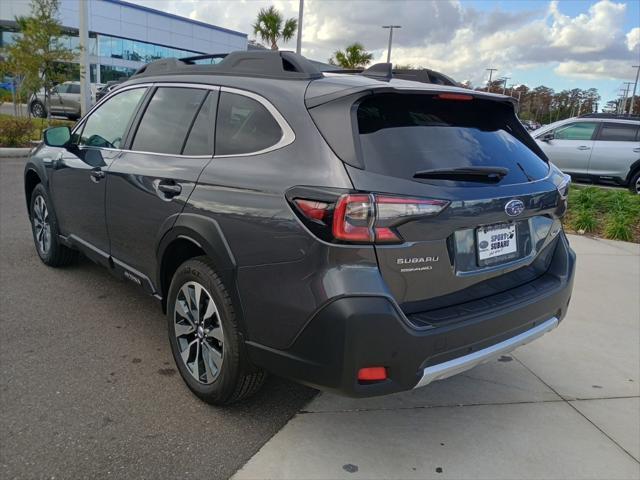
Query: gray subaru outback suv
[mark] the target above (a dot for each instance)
(357, 233)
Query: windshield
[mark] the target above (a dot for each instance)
(403, 134)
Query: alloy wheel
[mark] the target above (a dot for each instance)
(198, 332)
(41, 225)
(638, 185)
(37, 110)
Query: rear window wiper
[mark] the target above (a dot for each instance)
(468, 174)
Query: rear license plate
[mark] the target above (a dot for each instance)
(496, 243)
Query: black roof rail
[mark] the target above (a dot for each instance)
(379, 71)
(254, 63)
(206, 56)
(620, 116)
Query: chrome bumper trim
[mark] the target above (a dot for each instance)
(461, 364)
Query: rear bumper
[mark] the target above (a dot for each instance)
(353, 332)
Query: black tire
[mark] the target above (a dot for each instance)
(37, 109)
(634, 184)
(50, 251)
(236, 378)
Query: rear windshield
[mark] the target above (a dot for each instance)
(402, 134)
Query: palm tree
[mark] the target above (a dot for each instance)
(354, 56)
(269, 25)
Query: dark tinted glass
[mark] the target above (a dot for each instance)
(200, 141)
(74, 88)
(618, 132)
(106, 126)
(244, 126)
(403, 134)
(167, 119)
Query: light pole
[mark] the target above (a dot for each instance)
(490, 70)
(626, 95)
(85, 71)
(299, 42)
(390, 27)
(635, 85)
(504, 86)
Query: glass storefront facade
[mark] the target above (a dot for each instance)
(105, 47)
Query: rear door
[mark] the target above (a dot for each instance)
(571, 146)
(615, 149)
(149, 184)
(493, 234)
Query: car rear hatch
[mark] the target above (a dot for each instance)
(483, 202)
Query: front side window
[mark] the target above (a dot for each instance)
(167, 119)
(618, 132)
(576, 131)
(107, 125)
(244, 126)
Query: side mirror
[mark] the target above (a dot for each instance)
(57, 136)
(547, 137)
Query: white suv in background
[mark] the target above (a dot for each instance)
(596, 147)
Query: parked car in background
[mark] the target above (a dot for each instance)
(595, 147)
(531, 125)
(106, 88)
(357, 233)
(65, 100)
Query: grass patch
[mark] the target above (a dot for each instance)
(608, 213)
(22, 131)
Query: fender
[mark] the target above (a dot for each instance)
(37, 166)
(632, 169)
(205, 233)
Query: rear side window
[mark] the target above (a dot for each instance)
(576, 131)
(618, 132)
(74, 88)
(167, 119)
(402, 134)
(244, 126)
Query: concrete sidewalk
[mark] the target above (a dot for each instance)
(565, 406)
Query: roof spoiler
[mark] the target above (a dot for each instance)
(379, 71)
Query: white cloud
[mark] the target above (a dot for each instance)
(449, 35)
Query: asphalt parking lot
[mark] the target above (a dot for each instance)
(88, 387)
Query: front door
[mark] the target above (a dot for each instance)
(78, 179)
(571, 146)
(148, 186)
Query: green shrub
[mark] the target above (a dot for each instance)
(15, 131)
(584, 219)
(619, 227)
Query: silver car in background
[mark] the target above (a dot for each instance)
(65, 100)
(595, 147)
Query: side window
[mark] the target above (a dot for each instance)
(106, 126)
(618, 132)
(576, 131)
(167, 119)
(244, 126)
(74, 88)
(62, 88)
(200, 140)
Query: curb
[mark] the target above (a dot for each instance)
(15, 152)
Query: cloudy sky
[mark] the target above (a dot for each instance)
(561, 44)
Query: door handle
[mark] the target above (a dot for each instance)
(584, 147)
(636, 149)
(96, 174)
(169, 188)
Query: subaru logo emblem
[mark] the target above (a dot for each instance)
(513, 208)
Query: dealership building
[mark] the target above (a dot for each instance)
(124, 36)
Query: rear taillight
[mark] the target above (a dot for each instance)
(366, 217)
